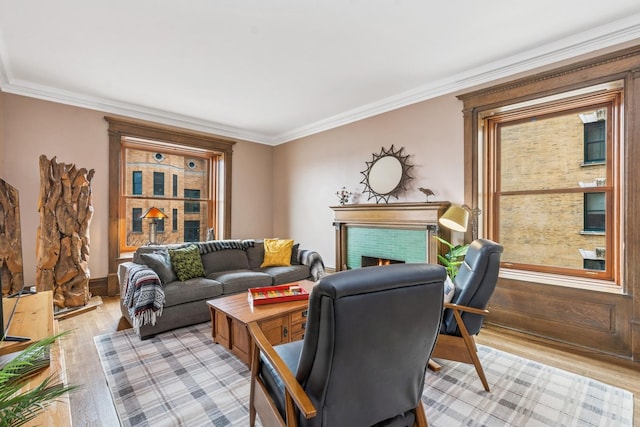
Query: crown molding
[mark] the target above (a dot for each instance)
(603, 37)
(110, 106)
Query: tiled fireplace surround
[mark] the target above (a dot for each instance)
(398, 231)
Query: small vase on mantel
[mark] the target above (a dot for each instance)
(343, 195)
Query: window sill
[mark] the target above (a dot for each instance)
(594, 163)
(592, 233)
(561, 280)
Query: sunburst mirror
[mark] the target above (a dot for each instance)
(386, 175)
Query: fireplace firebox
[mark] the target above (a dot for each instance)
(370, 261)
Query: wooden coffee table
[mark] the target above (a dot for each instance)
(281, 322)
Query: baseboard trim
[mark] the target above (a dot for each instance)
(98, 286)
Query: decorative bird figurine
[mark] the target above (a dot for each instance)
(427, 192)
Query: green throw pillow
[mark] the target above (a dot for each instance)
(187, 262)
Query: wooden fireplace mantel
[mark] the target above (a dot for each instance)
(388, 215)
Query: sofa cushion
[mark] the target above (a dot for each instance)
(160, 262)
(196, 289)
(187, 262)
(240, 280)
(227, 259)
(255, 255)
(287, 274)
(277, 252)
(294, 254)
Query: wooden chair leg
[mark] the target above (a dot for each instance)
(255, 361)
(434, 366)
(472, 349)
(421, 416)
(476, 363)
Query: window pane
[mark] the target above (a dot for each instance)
(594, 211)
(184, 170)
(158, 184)
(189, 179)
(136, 221)
(170, 230)
(137, 182)
(595, 136)
(191, 207)
(192, 231)
(175, 185)
(546, 230)
(174, 219)
(547, 152)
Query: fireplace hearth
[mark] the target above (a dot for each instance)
(369, 261)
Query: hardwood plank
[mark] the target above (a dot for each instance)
(93, 405)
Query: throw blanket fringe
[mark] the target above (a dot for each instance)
(314, 261)
(144, 296)
(219, 245)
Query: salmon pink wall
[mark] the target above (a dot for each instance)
(282, 191)
(308, 172)
(30, 127)
(1, 135)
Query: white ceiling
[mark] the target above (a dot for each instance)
(271, 71)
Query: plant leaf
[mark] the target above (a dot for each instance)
(19, 407)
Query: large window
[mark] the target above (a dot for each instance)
(552, 180)
(162, 140)
(189, 167)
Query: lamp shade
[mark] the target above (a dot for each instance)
(154, 213)
(455, 218)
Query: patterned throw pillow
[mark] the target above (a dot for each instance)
(277, 252)
(187, 262)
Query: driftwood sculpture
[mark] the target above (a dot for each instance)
(62, 251)
(10, 240)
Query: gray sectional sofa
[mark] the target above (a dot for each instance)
(230, 266)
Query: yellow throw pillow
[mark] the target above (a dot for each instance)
(277, 252)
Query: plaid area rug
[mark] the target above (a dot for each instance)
(181, 378)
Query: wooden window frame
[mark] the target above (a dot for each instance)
(549, 306)
(595, 96)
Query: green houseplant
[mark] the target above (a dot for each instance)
(17, 407)
(453, 258)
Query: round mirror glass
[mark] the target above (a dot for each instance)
(385, 174)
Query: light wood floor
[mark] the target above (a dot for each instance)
(92, 406)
